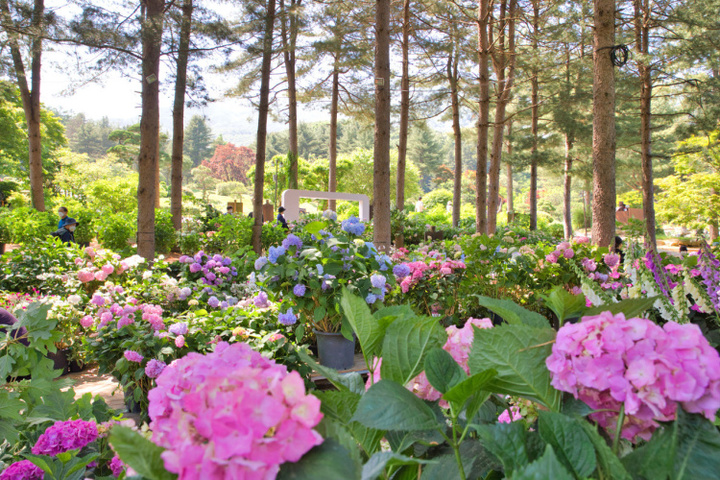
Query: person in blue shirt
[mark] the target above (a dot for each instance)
(62, 213)
(66, 233)
(281, 218)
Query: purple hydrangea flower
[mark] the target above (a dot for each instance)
(370, 299)
(213, 302)
(292, 241)
(299, 290)
(178, 328)
(64, 436)
(184, 259)
(184, 293)
(22, 470)
(195, 267)
(98, 300)
(260, 263)
(401, 271)
(261, 300)
(133, 356)
(154, 368)
(378, 281)
(287, 318)
(116, 465)
(274, 253)
(210, 276)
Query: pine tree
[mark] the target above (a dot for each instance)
(198, 140)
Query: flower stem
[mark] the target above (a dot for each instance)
(618, 429)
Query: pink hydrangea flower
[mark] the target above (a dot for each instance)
(611, 259)
(90, 252)
(64, 436)
(133, 356)
(607, 362)
(22, 470)
(154, 368)
(231, 414)
(87, 321)
(86, 276)
(180, 341)
(551, 258)
(100, 276)
(510, 415)
(116, 466)
(108, 269)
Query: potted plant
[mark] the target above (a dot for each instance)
(307, 280)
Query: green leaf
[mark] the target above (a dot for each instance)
(313, 228)
(513, 313)
(370, 331)
(570, 442)
(607, 461)
(332, 375)
(544, 468)
(8, 431)
(339, 406)
(507, 442)
(517, 353)
(382, 460)
(406, 343)
(632, 307)
(57, 405)
(139, 453)
(442, 371)
(329, 461)
(10, 406)
(476, 460)
(395, 311)
(461, 392)
(564, 304)
(683, 450)
(6, 364)
(387, 405)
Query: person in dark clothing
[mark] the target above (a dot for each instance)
(7, 319)
(66, 233)
(618, 250)
(281, 218)
(63, 214)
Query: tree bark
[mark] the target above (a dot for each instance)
(452, 75)
(510, 192)
(30, 95)
(567, 189)
(535, 115)
(603, 227)
(642, 34)
(152, 28)
(404, 109)
(176, 175)
(332, 162)
(502, 60)
(289, 39)
(381, 174)
(262, 127)
(483, 117)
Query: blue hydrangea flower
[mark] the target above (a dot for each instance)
(292, 240)
(261, 300)
(384, 262)
(401, 271)
(260, 263)
(320, 269)
(353, 226)
(330, 215)
(378, 281)
(287, 318)
(299, 290)
(213, 302)
(370, 299)
(274, 253)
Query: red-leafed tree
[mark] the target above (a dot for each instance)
(230, 163)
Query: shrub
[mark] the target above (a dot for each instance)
(579, 220)
(27, 225)
(115, 230)
(437, 197)
(164, 231)
(231, 189)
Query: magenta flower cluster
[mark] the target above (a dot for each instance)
(116, 466)
(215, 270)
(409, 274)
(125, 314)
(64, 436)
(563, 250)
(231, 414)
(609, 362)
(22, 470)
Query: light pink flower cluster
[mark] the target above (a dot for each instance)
(64, 436)
(563, 250)
(102, 264)
(231, 414)
(607, 362)
(419, 270)
(458, 345)
(510, 415)
(126, 314)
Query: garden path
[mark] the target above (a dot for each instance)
(89, 381)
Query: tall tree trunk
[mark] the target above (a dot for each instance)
(567, 188)
(483, 117)
(452, 75)
(510, 192)
(152, 29)
(535, 108)
(262, 127)
(642, 34)
(289, 39)
(587, 207)
(30, 95)
(176, 175)
(603, 227)
(332, 163)
(504, 59)
(381, 176)
(404, 109)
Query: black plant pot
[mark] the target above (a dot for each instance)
(335, 351)
(60, 358)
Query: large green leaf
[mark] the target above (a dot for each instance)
(370, 331)
(461, 392)
(139, 453)
(513, 313)
(569, 441)
(517, 353)
(406, 343)
(313, 228)
(476, 460)
(564, 304)
(341, 382)
(339, 406)
(632, 307)
(544, 468)
(329, 461)
(382, 460)
(10, 406)
(442, 371)
(683, 450)
(607, 461)
(57, 405)
(507, 442)
(387, 405)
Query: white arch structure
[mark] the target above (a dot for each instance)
(291, 202)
